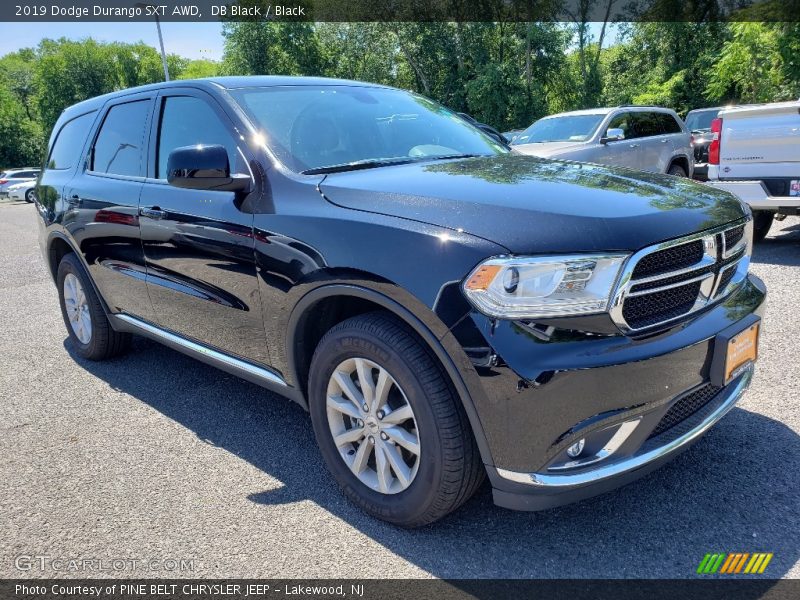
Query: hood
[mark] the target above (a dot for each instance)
(530, 205)
(547, 149)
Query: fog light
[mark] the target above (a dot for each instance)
(575, 450)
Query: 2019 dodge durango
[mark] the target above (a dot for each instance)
(444, 308)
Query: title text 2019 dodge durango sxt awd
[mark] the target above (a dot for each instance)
(444, 308)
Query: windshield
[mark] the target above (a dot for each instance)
(701, 119)
(322, 128)
(569, 128)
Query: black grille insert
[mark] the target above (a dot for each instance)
(733, 236)
(643, 311)
(669, 259)
(685, 408)
(725, 279)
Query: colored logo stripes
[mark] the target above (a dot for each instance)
(734, 562)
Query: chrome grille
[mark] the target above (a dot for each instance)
(664, 283)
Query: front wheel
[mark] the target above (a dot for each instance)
(389, 426)
(30, 196)
(762, 221)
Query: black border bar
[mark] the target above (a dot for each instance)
(400, 10)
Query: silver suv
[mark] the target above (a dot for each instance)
(647, 138)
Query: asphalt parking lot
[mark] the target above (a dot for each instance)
(154, 457)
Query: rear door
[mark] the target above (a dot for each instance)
(102, 203)
(679, 140)
(199, 244)
(650, 145)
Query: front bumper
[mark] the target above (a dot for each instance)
(539, 395)
(550, 490)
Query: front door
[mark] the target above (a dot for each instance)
(198, 245)
(624, 152)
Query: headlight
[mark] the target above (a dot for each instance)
(546, 286)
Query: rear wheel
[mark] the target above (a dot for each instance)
(762, 221)
(89, 330)
(389, 426)
(677, 170)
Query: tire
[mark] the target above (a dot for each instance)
(448, 466)
(79, 305)
(677, 171)
(30, 196)
(762, 221)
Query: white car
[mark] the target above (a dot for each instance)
(25, 190)
(14, 176)
(648, 138)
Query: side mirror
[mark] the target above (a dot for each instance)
(613, 134)
(204, 168)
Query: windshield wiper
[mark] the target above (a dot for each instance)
(369, 163)
(451, 156)
(372, 163)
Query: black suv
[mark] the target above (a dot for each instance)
(444, 308)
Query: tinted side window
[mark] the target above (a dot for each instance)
(187, 121)
(118, 149)
(669, 124)
(623, 121)
(69, 142)
(647, 124)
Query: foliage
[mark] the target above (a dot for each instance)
(504, 74)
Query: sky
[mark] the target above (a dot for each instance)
(191, 40)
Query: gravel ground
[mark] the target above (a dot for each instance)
(156, 457)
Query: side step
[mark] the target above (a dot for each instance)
(235, 366)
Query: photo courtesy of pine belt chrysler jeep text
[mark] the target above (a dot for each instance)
(445, 308)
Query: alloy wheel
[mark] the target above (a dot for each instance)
(80, 319)
(373, 425)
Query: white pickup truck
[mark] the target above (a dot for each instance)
(755, 153)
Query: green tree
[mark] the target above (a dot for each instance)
(269, 48)
(195, 69)
(21, 139)
(751, 66)
(68, 72)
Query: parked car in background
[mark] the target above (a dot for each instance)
(444, 307)
(647, 138)
(698, 122)
(511, 135)
(22, 191)
(755, 153)
(13, 176)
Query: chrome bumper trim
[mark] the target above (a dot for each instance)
(548, 481)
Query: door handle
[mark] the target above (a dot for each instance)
(154, 213)
(664, 141)
(634, 145)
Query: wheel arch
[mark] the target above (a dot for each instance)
(304, 334)
(682, 161)
(59, 245)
